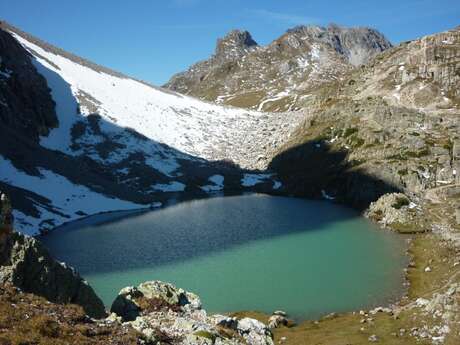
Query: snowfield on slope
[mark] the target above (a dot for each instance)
(67, 201)
(187, 125)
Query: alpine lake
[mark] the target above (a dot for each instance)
(241, 253)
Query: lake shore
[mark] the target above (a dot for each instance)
(302, 249)
(418, 318)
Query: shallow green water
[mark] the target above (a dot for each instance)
(242, 253)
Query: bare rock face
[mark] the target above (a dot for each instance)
(357, 45)
(30, 267)
(26, 106)
(421, 74)
(275, 77)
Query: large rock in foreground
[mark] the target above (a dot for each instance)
(165, 313)
(30, 267)
(26, 264)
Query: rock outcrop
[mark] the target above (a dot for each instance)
(357, 45)
(26, 264)
(396, 212)
(162, 312)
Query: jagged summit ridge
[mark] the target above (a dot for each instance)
(275, 77)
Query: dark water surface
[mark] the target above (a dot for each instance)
(252, 252)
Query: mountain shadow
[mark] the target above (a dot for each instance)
(314, 169)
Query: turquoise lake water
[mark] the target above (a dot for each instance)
(252, 252)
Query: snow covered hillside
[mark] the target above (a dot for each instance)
(144, 141)
(185, 124)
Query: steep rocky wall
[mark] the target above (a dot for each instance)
(438, 58)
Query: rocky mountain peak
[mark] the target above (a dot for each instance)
(235, 44)
(302, 58)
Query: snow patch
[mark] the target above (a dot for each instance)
(6, 74)
(326, 196)
(173, 186)
(277, 185)
(250, 180)
(272, 99)
(218, 184)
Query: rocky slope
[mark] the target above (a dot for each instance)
(278, 76)
(132, 143)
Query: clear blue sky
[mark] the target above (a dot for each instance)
(152, 40)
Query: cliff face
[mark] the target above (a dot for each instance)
(277, 76)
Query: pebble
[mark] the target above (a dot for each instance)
(280, 313)
(428, 269)
(373, 338)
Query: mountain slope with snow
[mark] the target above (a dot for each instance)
(141, 139)
(186, 124)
